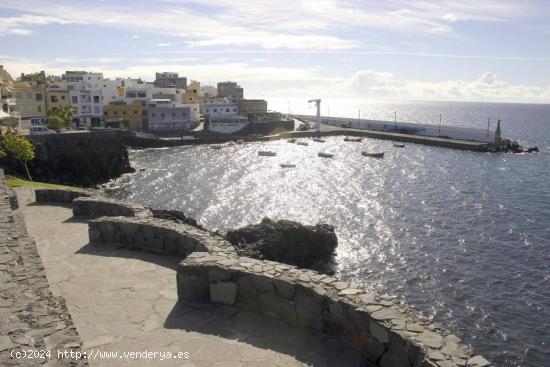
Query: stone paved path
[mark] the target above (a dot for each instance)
(125, 301)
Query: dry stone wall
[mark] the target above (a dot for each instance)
(383, 332)
(95, 206)
(157, 235)
(59, 195)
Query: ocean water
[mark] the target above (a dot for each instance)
(463, 237)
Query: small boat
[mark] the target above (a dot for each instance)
(266, 153)
(399, 145)
(287, 165)
(291, 141)
(240, 141)
(353, 139)
(325, 155)
(318, 140)
(216, 147)
(302, 143)
(373, 155)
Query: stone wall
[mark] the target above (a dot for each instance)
(157, 235)
(31, 318)
(386, 334)
(374, 325)
(11, 195)
(59, 195)
(96, 206)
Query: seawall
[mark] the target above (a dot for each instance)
(383, 332)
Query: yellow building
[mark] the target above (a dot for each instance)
(30, 101)
(192, 93)
(56, 98)
(252, 106)
(120, 114)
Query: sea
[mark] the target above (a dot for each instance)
(462, 237)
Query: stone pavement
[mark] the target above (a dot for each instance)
(31, 317)
(125, 301)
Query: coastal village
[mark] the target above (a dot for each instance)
(170, 104)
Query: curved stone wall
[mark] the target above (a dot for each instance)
(96, 206)
(157, 235)
(384, 333)
(60, 195)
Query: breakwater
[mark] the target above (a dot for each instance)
(383, 332)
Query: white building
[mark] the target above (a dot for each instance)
(208, 91)
(194, 108)
(166, 115)
(219, 107)
(87, 107)
(83, 79)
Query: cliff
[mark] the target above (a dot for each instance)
(77, 158)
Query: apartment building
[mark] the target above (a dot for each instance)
(30, 102)
(170, 80)
(166, 115)
(247, 106)
(87, 107)
(122, 114)
(57, 96)
(230, 89)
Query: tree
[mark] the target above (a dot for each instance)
(20, 148)
(61, 117)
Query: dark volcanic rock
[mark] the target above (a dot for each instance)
(286, 241)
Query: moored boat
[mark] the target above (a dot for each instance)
(302, 143)
(353, 139)
(318, 140)
(266, 153)
(291, 141)
(215, 147)
(325, 155)
(399, 145)
(373, 155)
(287, 165)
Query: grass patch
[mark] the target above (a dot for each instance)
(19, 182)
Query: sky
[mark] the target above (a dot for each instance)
(467, 50)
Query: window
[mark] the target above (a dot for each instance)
(215, 110)
(124, 112)
(106, 113)
(141, 94)
(97, 110)
(63, 97)
(39, 109)
(53, 99)
(173, 114)
(74, 99)
(162, 115)
(135, 112)
(183, 114)
(96, 99)
(115, 112)
(227, 110)
(39, 96)
(234, 110)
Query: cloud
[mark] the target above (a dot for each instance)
(164, 44)
(283, 24)
(19, 25)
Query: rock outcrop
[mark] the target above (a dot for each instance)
(286, 241)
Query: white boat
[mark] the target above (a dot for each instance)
(357, 140)
(302, 143)
(216, 147)
(266, 153)
(399, 145)
(318, 140)
(287, 165)
(291, 141)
